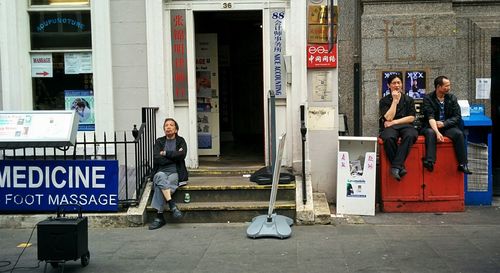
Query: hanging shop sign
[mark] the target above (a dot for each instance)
(179, 54)
(277, 50)
(44, 185)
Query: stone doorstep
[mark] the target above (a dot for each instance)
(322, 214)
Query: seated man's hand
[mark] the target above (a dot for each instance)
(440, 137)
(388, 123)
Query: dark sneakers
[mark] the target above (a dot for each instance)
(463, 168)
(176, 213)
(395, 173)
(402, 172)
(429, 166)
(157, 223)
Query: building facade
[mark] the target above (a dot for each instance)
(211, 64)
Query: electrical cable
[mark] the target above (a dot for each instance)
(7, 263)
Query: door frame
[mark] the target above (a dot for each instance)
(183, 109)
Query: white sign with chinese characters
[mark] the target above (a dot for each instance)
(277, 49)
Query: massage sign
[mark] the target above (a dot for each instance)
(44, 185)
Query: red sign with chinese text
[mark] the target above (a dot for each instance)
(179, 63)
(319, 56)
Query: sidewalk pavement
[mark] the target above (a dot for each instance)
(388, 242)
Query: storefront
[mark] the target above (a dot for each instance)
(209, 64)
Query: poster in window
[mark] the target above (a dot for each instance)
(77, 62)
(385, 76)
(415, 84)
(82, 102)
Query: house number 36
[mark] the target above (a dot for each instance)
(227, 5)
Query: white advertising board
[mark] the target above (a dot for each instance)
(37, 129)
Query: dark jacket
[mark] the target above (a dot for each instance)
(176, 156)
(452, 114)
(405, 107)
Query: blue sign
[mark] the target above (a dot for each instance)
(477, 109)
(44, 185)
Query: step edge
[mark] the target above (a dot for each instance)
(231, 206)
(187, 187)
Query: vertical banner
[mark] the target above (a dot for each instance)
(179, 54)
(82, 102)
(277, 50)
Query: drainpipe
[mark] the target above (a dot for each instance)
(358, 96)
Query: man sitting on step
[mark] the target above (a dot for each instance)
(169, 169)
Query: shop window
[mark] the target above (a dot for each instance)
(60, 30)
(61, 60)
(52, 93)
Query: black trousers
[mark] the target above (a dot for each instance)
(455, 134)
(397, 153)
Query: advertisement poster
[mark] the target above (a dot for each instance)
(415, 84)
(385, 76)
(82, 102)
(207, 94)
(356, 188)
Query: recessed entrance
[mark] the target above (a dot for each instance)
(240, 86)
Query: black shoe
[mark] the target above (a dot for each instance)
(429, 166)
(157, 223)
(402, 172)
(176, 213)
(463, 168)
(395, 173)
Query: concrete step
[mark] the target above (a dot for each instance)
(224, 171)
(228, 198)
(322, 214)
(221, 212)
(230, 188)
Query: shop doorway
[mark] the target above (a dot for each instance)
(495, 111)
(240, 86)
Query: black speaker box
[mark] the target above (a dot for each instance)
(62, 239)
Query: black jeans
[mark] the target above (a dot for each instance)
(454, 133)
(397, 153)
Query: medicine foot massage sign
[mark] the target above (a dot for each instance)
(43, 185)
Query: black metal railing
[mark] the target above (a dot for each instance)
(133, 150)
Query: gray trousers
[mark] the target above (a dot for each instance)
(163, 181)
